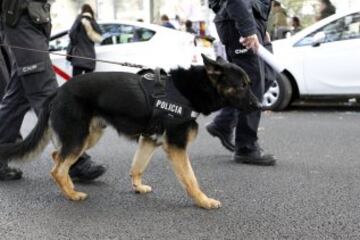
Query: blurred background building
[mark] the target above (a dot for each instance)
(65, 11)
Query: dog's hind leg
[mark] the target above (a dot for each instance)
(184, 172)
(56, 158)
(141, 159)
(60, 174)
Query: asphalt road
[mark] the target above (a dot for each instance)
(312, 193)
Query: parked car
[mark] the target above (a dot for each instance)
(134, 42)
(321, 61)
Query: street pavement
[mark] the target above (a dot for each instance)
(312, 193)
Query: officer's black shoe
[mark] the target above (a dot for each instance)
(8, 174)
(85, 169)
(225, 138)
(255, 157)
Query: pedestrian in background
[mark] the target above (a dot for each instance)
(32, 79)
(189, 27)
(277, 24)
(326, 9)
(241, 26)
(165, 22)
(84, 33)
(295, 25)
(177, 23)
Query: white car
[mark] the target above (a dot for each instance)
(323, 61)
(134, 42)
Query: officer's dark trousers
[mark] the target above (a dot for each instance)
(245, 124)
(4, 71)
(14, 106)
(6, 59)
(32, 79)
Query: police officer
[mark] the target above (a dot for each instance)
(5, 62)
(4, 67)
(27, 24)
(241, 25)
(7, 71)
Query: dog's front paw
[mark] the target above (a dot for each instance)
(209, 203)
(142, 189)
(77, 196)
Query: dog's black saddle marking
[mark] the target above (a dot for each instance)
(169, 106)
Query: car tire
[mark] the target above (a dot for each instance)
(279, 94)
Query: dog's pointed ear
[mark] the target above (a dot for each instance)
(213, 68)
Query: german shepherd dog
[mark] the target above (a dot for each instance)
(74, 117)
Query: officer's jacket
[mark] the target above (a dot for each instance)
(241, 18)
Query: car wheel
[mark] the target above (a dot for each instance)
(278, 96)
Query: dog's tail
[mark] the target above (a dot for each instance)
(35, 142)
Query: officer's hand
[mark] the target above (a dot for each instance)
(250, 42)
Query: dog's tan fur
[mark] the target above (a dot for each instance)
(60, 171)
(60, 174)
(141, 159)
(181, 165)
(185, 174)
(178, 158)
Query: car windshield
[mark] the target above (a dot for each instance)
(123, 33)
(112, 34)
(344, 28)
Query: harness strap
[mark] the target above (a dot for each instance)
(159, 86)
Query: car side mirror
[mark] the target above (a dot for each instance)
(318, 39)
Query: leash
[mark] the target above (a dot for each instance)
(124, 64)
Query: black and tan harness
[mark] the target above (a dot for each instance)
(169, 106)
